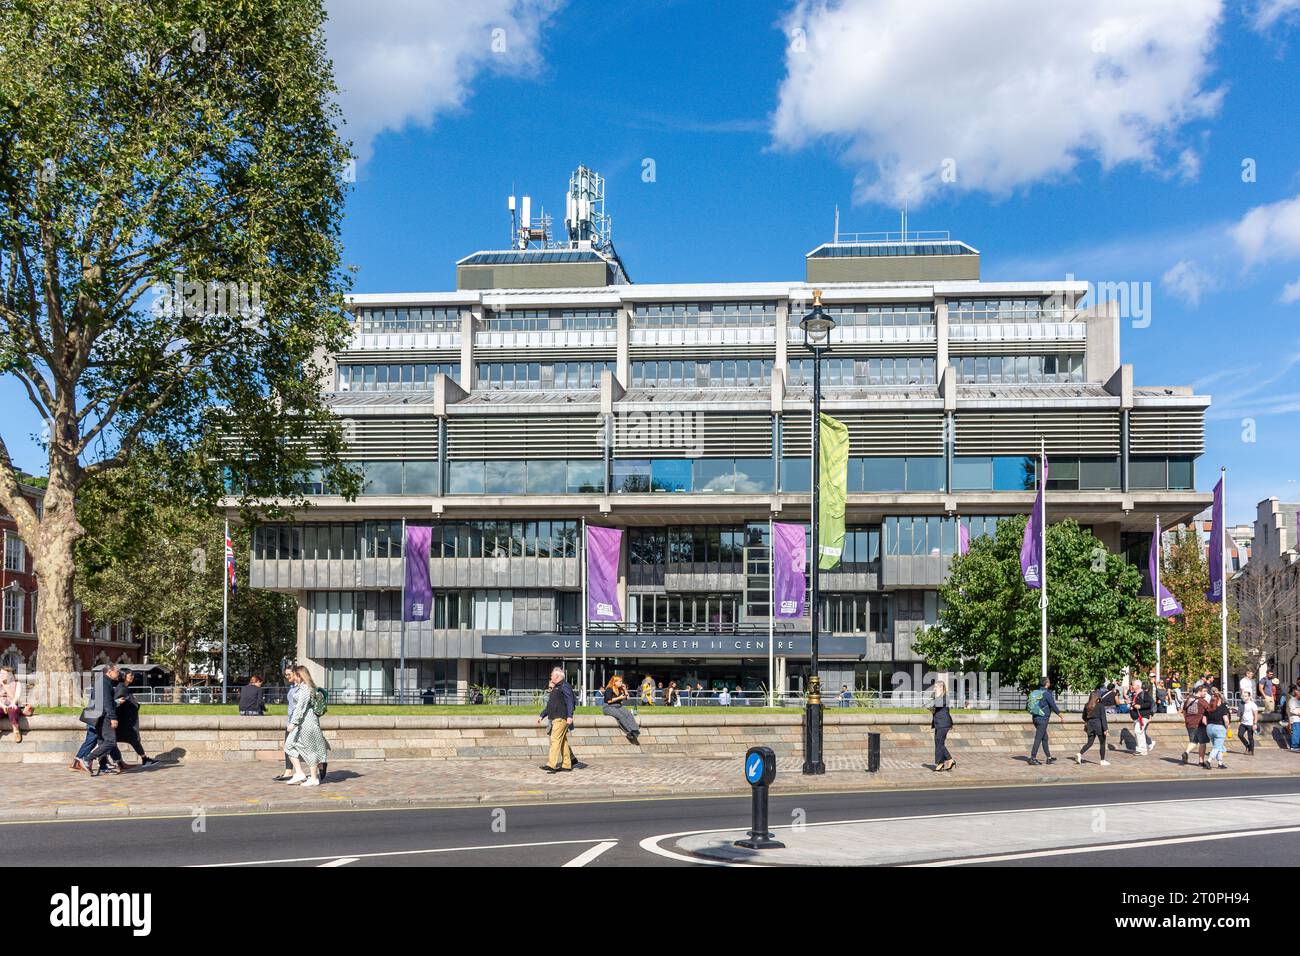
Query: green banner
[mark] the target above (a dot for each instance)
(833, 471)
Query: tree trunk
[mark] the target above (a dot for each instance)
(54, 563)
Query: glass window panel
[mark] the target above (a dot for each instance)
(1063, 474)
(1180, 474)
(884, 474)
(671, 474)
(1013, 473)
(631, 475)
(547, 477)
(972, 474)
(586, 477)
(504, 478)
(754, 475)
(715, 474)
(796, 474)
(465, 478)
(1099, 473)
(925, 474)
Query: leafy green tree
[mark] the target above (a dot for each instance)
(1096, 623)
(171, 186)
(1192, 642)
(153, 555)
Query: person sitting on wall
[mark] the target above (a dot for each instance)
(250, 698)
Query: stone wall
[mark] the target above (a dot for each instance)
(53, 739)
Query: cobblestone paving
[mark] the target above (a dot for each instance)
(35, 791)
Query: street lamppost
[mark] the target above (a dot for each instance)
(817, 326)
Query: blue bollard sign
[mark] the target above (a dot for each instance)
(760, 771)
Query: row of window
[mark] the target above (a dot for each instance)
(1018, 369)
(499, 539)
(877, 314)
(1005, 310)
(550, 320)
(702, 314)
(525, 477)
(728, 373)
(539, 375)
(706, 475)
(697, 544)
(410, 319)
(866, 474)
(865, 371)
(345, 611)
(408, 377)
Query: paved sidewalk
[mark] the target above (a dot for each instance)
(43, 791)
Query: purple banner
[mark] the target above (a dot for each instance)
(1218, 528)
(415, 556)
(1031, 552)
(789, 569)
(603, 548)
(1166, 604)
(963, 538)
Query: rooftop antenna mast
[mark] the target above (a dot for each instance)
(585, 221)
(837, 223)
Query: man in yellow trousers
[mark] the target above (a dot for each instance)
(559, 711)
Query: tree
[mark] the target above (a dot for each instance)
(185, 149)
(1192, 642)
(1264, 604)
(151, 555)
(1097, 624)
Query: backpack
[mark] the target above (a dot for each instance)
(318, 702)
(1036, 704)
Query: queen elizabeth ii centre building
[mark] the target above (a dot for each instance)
(548, 389)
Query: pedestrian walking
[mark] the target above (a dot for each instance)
(671, 698)
(1094, 721)
(846, 697)
(648, 691)
(1246, 686)
(1216, 727)
(291, 692)
(251, 703)
(1266, 692)
(1293, 715)
(1176, 687)
(305, 743)
(1042, 704)
(11, 701)
(615, 705)
(724, 697)
(1140, 707)
(1248, 720)
(100, 716)
(1194, 713)
(128, 721)
(941, 721)
(559, 712)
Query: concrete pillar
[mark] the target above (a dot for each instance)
(462, 678)
(315, 667)
(623, 361)
(468, 323)
(782, 339)
(941, 334)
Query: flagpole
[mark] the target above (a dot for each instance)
(1223, 570)
(225, 606)
(582, 681)
(401, 664)
(771, 613)
(1160, 553)
(1042, 548)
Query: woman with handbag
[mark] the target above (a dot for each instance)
(305, 743)
(1094, 722)
(941, 721)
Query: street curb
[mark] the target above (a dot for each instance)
(855, 782)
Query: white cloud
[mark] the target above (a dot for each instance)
(1012, 91)
(1187, 281)
(406, 62)
(1269, 232)
(1189, 165)
(1270, 12)
(1291, 292)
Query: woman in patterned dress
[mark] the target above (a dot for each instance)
(305, 744)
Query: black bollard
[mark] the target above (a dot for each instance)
(760, 771)
(873, 753)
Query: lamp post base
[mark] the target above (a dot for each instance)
(813, 765)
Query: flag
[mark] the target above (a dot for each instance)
(1218, 528)
(1031, 550)
(230, 563)
(789, 569)
(1166, 604)
(963, 538)
(833, 478)
(415, 559)
(602, 550)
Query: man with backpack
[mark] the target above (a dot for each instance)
(1194, 719)
(1042, 704)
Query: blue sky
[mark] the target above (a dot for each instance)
(1102, 138)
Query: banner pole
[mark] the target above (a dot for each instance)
(225, 607)
(1223, 565)
(582, 681)
(1042, 548)
(1155, 590)
(771, 613)
(401, 665)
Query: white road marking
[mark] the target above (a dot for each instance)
(586, 856)
(370, 856)
(341, 861)
(1127, 845)
(651, 844)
